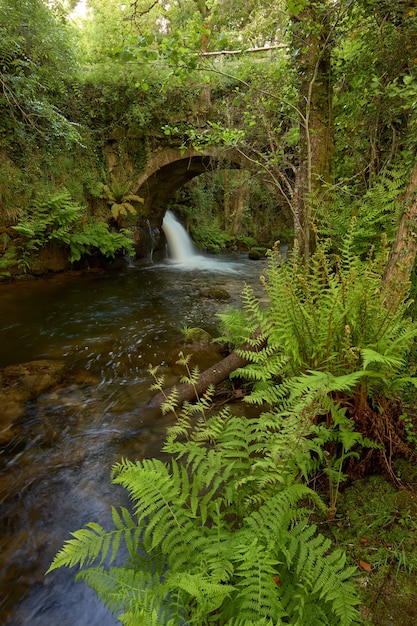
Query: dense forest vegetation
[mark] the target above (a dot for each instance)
(319, 100)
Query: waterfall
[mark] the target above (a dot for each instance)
(180, 246)
(183, 253)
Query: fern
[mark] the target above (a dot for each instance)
(50, 217)
(94, 543)
(55, 217)
(326, 342)
(98, 238)
(119, 195)
(219, 535)
(326, 576)
(329, 317)
(375, 212)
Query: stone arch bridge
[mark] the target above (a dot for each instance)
(170, 168)
(167, 169)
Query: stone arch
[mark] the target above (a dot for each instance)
(168, 169)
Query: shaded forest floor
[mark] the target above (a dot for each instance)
(376, 523)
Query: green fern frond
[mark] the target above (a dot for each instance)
(208, 594)
(376, 212)
(171, 401)
(217, 535)
(135, 592)
(257, 592)
(326, 575)
(162, 505)
(235, 327)
(370, 356)
(91, 544)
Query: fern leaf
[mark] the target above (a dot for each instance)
(88, 545)
(371, 356)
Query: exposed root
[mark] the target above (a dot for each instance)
(384, 425)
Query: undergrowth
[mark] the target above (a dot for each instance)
(376, 525)
(55, 217)
(330, 345)
(221, 534)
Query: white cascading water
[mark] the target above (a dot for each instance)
(180, 247)
(182, 251)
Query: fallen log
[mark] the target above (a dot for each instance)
(211, 376)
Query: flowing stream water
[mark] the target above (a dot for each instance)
(87, 340)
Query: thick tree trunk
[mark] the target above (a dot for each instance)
(404, 249)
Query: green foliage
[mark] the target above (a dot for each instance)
(208, 234)
(105, 33)
(386, 517)
(96, 237)
(37, 63)
(330, 347)
(51, 217)
(113, 96)
(328, 318)
(374, 106)
(234, 327)
(119, 196)
(11, 182)
(219, 535)
(196, 204)
(376, 211)
(8, 256)
(56, 217)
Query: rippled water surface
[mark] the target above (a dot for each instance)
(101, 331)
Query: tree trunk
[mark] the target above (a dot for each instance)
(226, 197)
(310, 35)
(404, 249)
(239, 199)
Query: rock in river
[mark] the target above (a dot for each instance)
(19, 384)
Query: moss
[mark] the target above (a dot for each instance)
(196, 335)
(376, 524)
(216, 293)
(257, 253)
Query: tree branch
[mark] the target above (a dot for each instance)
(136, 14)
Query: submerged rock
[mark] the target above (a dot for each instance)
(19, 384)
(197, 336)
(216, 293)
(34, 377)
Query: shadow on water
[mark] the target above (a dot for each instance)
(63, 426)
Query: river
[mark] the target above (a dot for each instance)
(102, 329)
